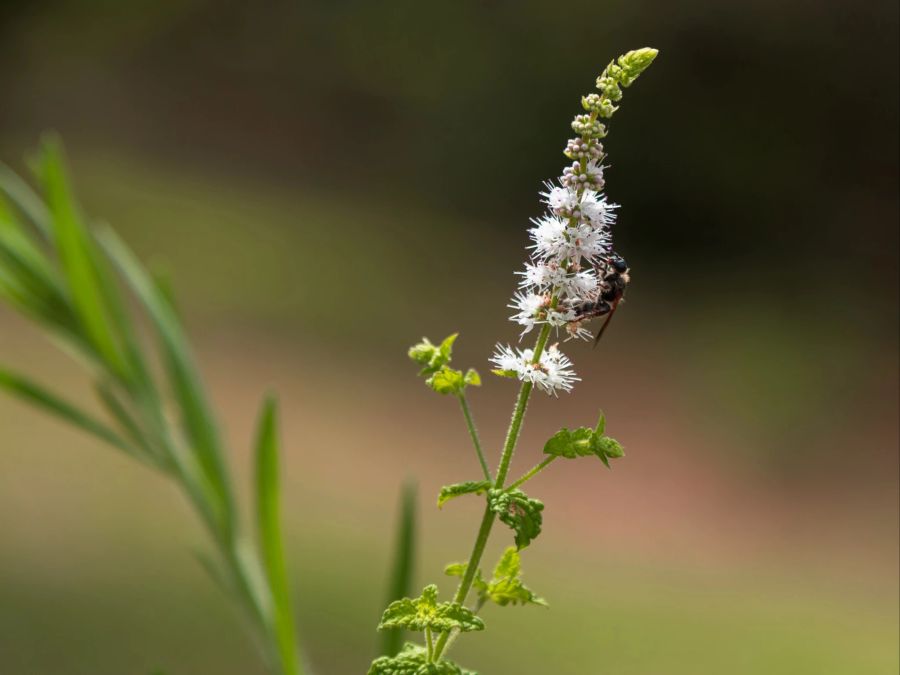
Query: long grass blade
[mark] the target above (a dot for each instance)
(198, 420)
(268, 517)
(403, 567)
(28, 202)
(74, 246)
(41, 398)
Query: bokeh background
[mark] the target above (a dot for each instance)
(327, 181)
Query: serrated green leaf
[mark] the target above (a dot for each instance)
(403, 564)
(449, 492)
(582, 442)
(506, 587)
(425, 612)
(268, 519)
(413, 660)
(473, 378)
(521, 513)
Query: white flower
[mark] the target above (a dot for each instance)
(529, 306)
(543, 275)
(560, 199)
(597, 210)
(552, 373)
(549, 237)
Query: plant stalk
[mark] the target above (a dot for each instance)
(487, 520)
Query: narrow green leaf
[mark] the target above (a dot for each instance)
(269, 525)
(78, 259)
(41, 398)
(28, 202)
(403, 564)
(196, 414)
(449, 492)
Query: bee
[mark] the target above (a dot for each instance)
(614, 279)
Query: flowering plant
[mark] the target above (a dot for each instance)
(573, 276)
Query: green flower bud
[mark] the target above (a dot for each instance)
(423, 352)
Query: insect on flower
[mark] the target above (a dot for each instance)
(614, 273)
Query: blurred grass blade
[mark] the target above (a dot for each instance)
(77, 257)
(269, 525)
(402, 569)
(187, 387)
(21, 194)
(40, 397)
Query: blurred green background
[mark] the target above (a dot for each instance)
(327, 181)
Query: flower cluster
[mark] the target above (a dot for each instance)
(551, 372)
(571, 247)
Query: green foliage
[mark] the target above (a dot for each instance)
(505, 587)
(413, 660)
(432, 357)
(268, 515)
(584, 441)
(435, 360)
(403, 564)
(521, 513)
(449, 492)
(59, 272)
(426, 613)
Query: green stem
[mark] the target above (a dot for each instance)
(534, 472)
(473, 432)
(429, 638)
(515, 426)
(487, 521)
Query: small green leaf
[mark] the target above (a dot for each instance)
(521, 513)
(432, 358)
(425, 612)
(413, 660)
(447, 381)
(505, 373)
(446, 348)
(449, 492)
(601, 425)
(582, 442)
(473, 378)
(506, 587)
